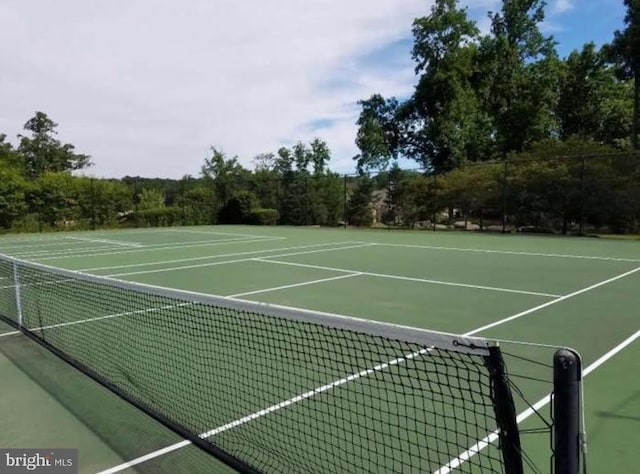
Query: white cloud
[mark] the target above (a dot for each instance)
(145, 86)
(562, 6)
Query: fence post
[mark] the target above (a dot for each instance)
(504, 195)
(435, 202)
(93, 204)
(16, 283)
(344, 203)
(182, 203)
(582, 196)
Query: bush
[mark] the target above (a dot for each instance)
(261, 216)
(158, 217)
(237, 210)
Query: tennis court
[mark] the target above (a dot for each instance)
(550, 291)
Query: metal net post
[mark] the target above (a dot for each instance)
(567, 375)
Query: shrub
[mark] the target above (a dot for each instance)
(261, 216)
(158, 217)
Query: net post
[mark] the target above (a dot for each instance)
(505, 412)
(567, 376)
(16, 283)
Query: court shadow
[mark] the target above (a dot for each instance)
(632, 402)
(126, 430)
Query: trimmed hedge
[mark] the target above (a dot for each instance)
(158, 217)
(261, 216)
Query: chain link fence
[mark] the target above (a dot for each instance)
(573, 195)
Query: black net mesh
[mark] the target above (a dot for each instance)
(275, 394)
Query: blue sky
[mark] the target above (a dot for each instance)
(146, 86)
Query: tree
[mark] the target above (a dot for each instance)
(43, 153)
(359, 205)
(320, 155)
(518, 75)
(13, 190)
(151, 198)
(443, 113)
(378, 137)
(624, 51)
(9, 156)
(226, 174)
(593, 103)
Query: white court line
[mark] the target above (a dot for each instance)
(207, 257)
(153, 249)
(106, 241)
(99, 318)
(558, 300)
(47, 243)
(268, 410)
(294, 285)
(312, 393)
(147, 246)
(405, 278)
(512, 252)
(493, 437)
(202, 232)
(225, 262)
(324, 388)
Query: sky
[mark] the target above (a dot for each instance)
(146, 87)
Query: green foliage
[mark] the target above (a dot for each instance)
(226, 175)
(102, 202)
(261, 216)
(151, 199)
(156, 217)
(378, 133)
(198, 205)
(43, 153)
(237, 210)
(13, 190)
(54, 197)
(592, 101)
(359, 205)
(624, 51)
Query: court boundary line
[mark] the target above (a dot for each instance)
(207, 257)
(511, 252)
(226, 262)
(406, 278)
(211, 243)
(202, 232)
(98, 318)
(493, 436)
(295, 285)
(106, 241)
(79, 252)
(184, 443)
(558, 300)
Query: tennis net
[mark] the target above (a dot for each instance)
(266, 388)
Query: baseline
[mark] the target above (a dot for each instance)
(511, 252)
(152, 249)
(106, 241)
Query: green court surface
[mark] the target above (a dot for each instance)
(580, 293)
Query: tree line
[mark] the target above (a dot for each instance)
(482, 97)
(506, 136)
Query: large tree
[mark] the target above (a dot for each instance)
(42, 152)
(625, 52)
(518, 75)
(593, 103)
